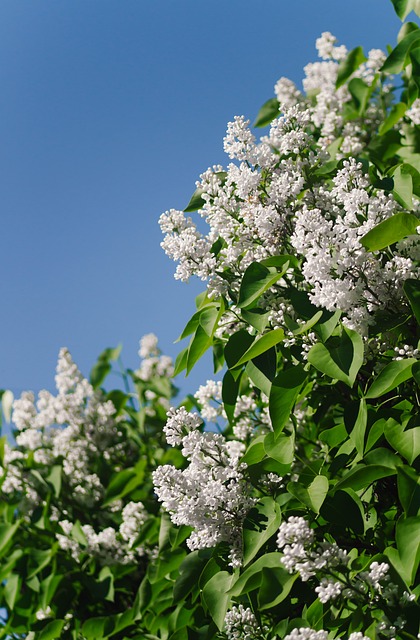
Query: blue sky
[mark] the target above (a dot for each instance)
(109, 110)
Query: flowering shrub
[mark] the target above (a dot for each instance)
(311, 263)
(283, 501)
(79, 522)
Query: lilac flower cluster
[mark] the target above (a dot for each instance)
(270, 202)
(211, 494)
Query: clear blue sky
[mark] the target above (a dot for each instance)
(109, 110)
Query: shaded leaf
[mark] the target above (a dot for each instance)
(408, 482)
(348, 66)
(405, 441)
(412, 291)
(340, 357)
(52, 630)
(216, 596)
(312, 496)
(391, 376)
(257, 279)
(196, 201)
(395, 62)
(261, 345)
(404, 7)
(260, 525)
(284, 391)
(391, 230)
(362, 476)
(394, 116)
(267, 113)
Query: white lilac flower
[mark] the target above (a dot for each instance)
(287, 93)
(239, 142)
(261, 204)
(42, 614)
(414, 112)
(241, 624)
(358, 635)
(134, 515)
(326, 48)
(211, 494)
(302, 554)
(328, 590)
(377, 572)
(180, 422)
(294, 531)
(306, 633)
(72, 427)
(148, 346)
(209, 395)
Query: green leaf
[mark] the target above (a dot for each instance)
(361, 476)
(102, 367)
(11, 589)
(257, 318)
(384, 148)
(408, 482)
(357, 435)
(191, 325)
(408, 544)
(51, 630)
(404, 7)
(349, 65)
(375, 432)
(262, 370)
(284, 391)
(256, 280)
(261, 345)
(106, 584)
(394, 116)
(181, 361)
(260, 525)
(99, 372)
(395, 62)
(216, 596)
(252, 576)
(360, 93)
(198, 346)
(96, 628)
(334, 436)
(344, 509)
(276, 584)
(267, 113)
(280, 449)
(412, 291)
(403, 193)
(54, 478)
(196, 201)
(309, 323)
(209, 317)
(189, 573)
(119, 481)
(391, 376)
(7, 531)
(236, 346)
(340, 357)
(230, 390)
(312, 496)
(40, 558)
(326, 325)
(406, 442)
(391, 230)
(255, 451)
